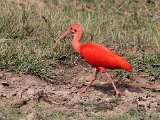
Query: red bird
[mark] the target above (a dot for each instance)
(97, 55)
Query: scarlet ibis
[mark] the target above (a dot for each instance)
(97, 55)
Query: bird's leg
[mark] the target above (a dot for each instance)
(116, 90)
(84, 90)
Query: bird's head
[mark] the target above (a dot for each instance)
(73, 29)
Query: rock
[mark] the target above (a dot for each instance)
(17, 103)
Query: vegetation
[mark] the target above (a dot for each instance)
(16, 114)
(10, 114)
(28, 34)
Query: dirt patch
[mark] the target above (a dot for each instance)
(61, 92)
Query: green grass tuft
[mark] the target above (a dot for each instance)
(11, 114)
(149, 64)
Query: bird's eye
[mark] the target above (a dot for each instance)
(73, 30)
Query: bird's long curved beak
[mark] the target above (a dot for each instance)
(68, 32)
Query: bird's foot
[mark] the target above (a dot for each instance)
(118, 93)
(83, 90)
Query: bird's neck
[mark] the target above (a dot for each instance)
(76, 41)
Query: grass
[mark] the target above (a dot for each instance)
(28, 32)
(10, 114)
(40, 114)
(59, 115)
(149, 64)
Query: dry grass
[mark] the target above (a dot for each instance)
(28, 32)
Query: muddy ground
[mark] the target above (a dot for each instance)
(61, 92)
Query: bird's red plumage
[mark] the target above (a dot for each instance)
(96, 55)
(100, 56)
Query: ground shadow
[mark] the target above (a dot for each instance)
(121, 87)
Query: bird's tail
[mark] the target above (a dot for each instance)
(125, 65)
(129, 68)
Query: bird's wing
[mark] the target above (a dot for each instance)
(100, 56)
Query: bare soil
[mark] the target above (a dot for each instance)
(61, 92)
